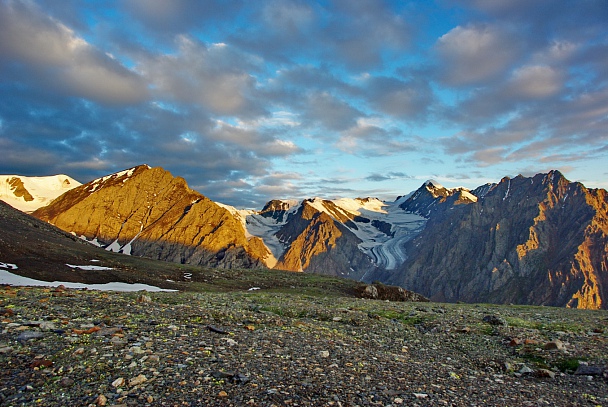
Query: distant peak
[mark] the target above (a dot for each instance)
(431, 183)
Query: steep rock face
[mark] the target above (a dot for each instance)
(147, 212)
(540, 240)
(320, 244)
(434, 200)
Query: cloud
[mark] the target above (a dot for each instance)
(536, 82)
(404, 100)
(216, 78)
(368, 139)
(332, 113)
(170, 17)
(475, 54)
(354, 34)
(376, 177)
(36, 48)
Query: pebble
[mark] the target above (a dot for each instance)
(120, 382)
(29, 335)
(137, 380)
(555, 345)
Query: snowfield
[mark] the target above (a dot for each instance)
(9, 278)
(42, 189)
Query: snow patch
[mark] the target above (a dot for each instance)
(89, 268)
(42, 189)
(8, 266)
(14, 279)
(114, 247)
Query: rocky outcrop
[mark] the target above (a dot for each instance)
(384, 292)
(540, 240)
(147, 212)
(19, 190)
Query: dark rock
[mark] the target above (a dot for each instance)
(216, 330)
(586, 370)
(29, 335)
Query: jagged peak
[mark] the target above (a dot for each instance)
(128, 173)
(431, 183)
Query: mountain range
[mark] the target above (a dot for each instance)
(526, 240)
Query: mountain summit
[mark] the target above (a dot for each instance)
(147, 212)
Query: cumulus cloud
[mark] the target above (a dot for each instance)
(475, 53)
(536, 82)
(35, 47)
(404, 100)
(216, 78)
(332, 113)
(368, 139)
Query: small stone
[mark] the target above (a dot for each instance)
(78, 352)
(153, 359)
(586, 370)
(216, 330)
(144, 299)
(149, 399)
(324, 354)
(222, 394)
(66, 382)
(546, 373)
(137, 380)
(554, 345)
(420, 395)
(118, 382)
(136, 350)
(47, 326)
(101, 400)
(398, 400)
(515, 342)
(41, 363)
(29, 335)
(231, 342)
(525, 370)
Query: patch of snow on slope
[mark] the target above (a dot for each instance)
(42, 189)
(14, 279)
(8, 266)
(90, 268)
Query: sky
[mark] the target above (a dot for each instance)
(257, 100)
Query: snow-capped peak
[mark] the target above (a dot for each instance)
(431, 183)
(30, 193)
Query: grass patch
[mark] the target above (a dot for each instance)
(568, 365)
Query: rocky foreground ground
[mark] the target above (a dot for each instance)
(262, 348)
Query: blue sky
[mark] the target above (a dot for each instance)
(257, 100)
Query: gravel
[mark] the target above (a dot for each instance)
(262, 348)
